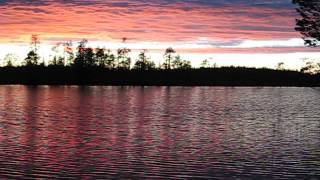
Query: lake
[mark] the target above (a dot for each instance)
(159, 132)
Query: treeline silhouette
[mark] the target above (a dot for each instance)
(99, 66)
(224, 76)
(87, 57)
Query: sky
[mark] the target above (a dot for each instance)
(254, 33)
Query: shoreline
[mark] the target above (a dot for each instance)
(95, 76)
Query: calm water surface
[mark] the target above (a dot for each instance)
(159, 132)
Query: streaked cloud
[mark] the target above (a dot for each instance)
(194, 26)
(142, 20)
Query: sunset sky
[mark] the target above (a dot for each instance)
(256, 33)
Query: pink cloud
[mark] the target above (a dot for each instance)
(144, 23)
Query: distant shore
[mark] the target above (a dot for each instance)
(225, 76)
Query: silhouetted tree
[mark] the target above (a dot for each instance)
(53, 62)
(280, 66)
(124, 61)
(70, 59)
(178, 63)
(185, 65)
(205, 64)
(308, 68)
(10, 60)
(85, 55)
(31, 59)
(214, 65)
(89, 57)
(143, 62)
(68, 53)
(168, 57)
(60, 61)
(65, 51)
(56, 61)
(55, 49)
(9, 63)
(309, 22)
(100, 57)
(43, 64)
(311, 67)
(110, 60)
(80, 56)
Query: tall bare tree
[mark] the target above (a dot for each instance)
(33, 57)
(168, 57)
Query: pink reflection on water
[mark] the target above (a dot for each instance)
(123, 132)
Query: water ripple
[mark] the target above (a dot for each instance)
(159, 132)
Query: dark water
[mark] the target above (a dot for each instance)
(159, 132)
